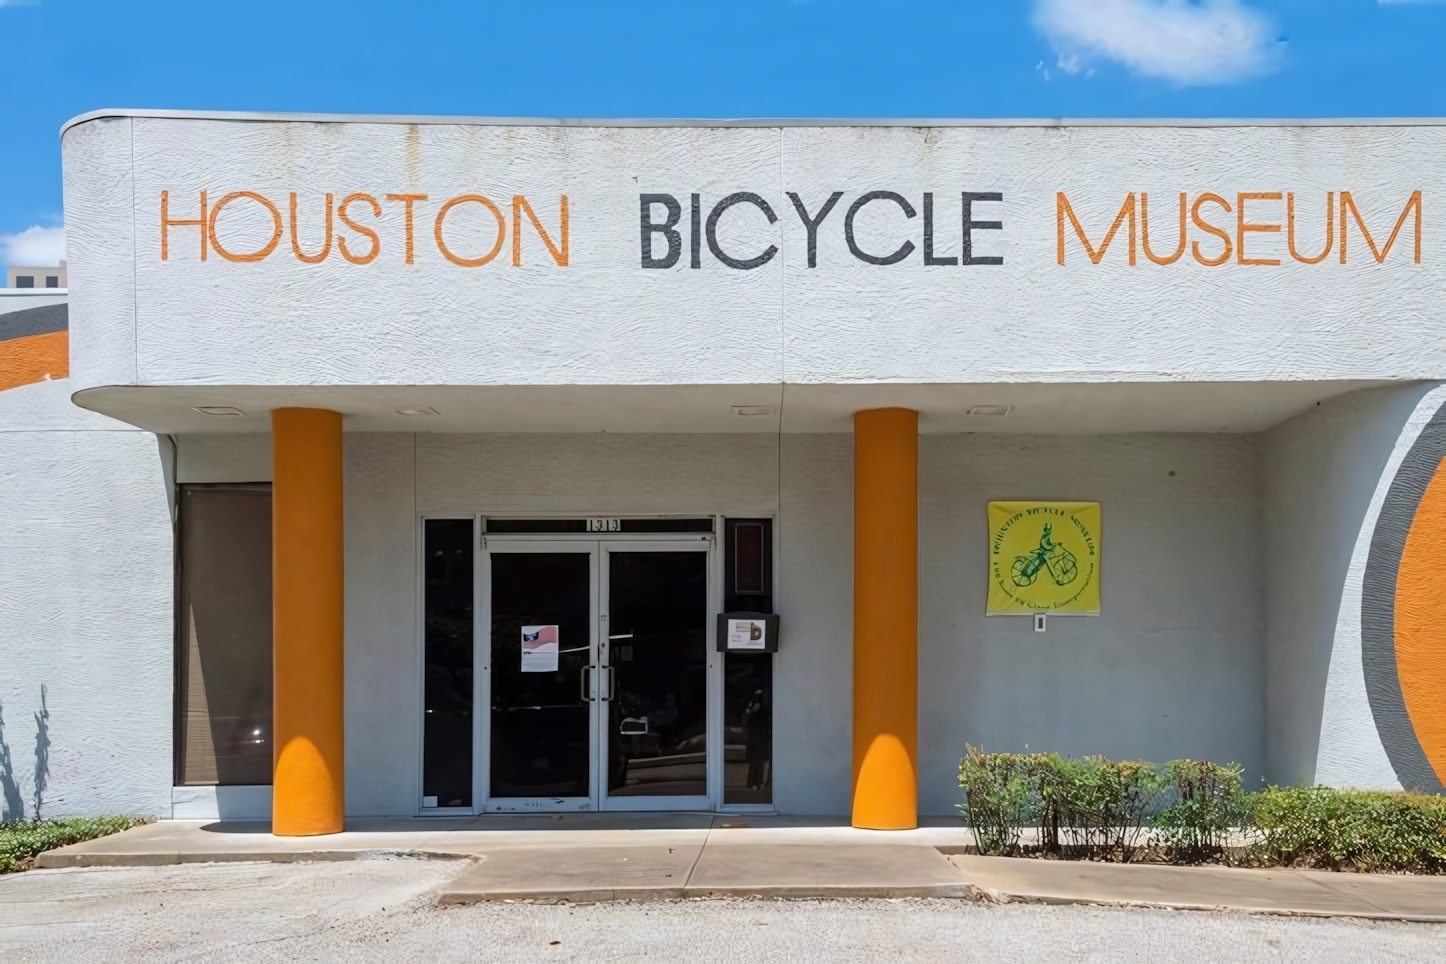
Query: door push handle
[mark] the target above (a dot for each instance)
(585, 679)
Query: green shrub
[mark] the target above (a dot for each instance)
(1206, 803)
(1358, 829)
(997, 792)
(1095, 806)
(22, 840)
(1089, 806)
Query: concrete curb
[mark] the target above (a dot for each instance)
(775, 891)
(1053, 900)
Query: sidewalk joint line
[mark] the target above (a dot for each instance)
(688, 880)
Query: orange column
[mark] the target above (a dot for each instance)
(886, 618)
(309, 785)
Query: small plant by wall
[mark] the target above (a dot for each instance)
(21, 841)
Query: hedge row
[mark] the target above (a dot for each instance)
(1191, 811)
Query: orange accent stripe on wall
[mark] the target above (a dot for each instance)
(24, 361)
(1421, 623)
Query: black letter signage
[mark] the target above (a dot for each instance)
(904, 251)
(811, 224)
(667, 228)
(929, 234)
(712, 230)
(971, 225)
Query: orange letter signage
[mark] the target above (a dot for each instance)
(442, 216)
(520, 206)
(376, 207)
(1348, 205)
(1063, 209)
(258, 255)
(167, 221)
(1330, 231)
(1210, 229)
(407, 201)
(1242, 226)
(296, 243)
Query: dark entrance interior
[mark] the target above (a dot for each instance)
(540, 726)
(658, 658)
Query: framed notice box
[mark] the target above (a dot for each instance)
(747, 633)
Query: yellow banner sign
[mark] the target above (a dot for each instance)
(1044, 557)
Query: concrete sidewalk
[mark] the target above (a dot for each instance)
(597, 857)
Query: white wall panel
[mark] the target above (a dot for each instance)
(383, 651)
(1321, 471)
(99, 239)
(85, 606)
(1174, 665)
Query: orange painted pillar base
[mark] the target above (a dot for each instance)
(886, 619)
(309, 781)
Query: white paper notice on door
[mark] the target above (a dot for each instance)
(539, 649)
(746, 634)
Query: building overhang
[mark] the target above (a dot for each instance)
(1051, 408)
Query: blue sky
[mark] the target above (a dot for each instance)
(742, 58)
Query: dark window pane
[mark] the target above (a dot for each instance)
(224, 638)
(447, 621)
(667, 525)
(748, 677)
(24, 281)
(540, 728)
(52, 281)
(748, 557)
(748, 565)
(748, 728)
(658, 715)
(536, 525)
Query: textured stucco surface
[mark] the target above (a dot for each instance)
(1323, 472)
(604, 320)
(100, 241)
(1350, 751)
(1401, 637)
(1173, 667)
(85, 605)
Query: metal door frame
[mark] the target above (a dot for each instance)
(695, 542)
(482, 769)
(596, 545)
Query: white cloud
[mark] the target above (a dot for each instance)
(1190, 42)
(35, 246)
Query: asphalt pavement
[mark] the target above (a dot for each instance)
(388, 910)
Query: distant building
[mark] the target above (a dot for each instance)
(17, 276)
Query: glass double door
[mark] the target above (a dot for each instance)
(597, 671)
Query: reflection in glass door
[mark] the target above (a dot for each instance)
(656, 658)
(542, 604)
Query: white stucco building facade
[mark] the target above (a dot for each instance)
(550, 341)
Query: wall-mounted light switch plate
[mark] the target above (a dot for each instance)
(1039, 622)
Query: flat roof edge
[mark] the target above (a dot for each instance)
(324, 118)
